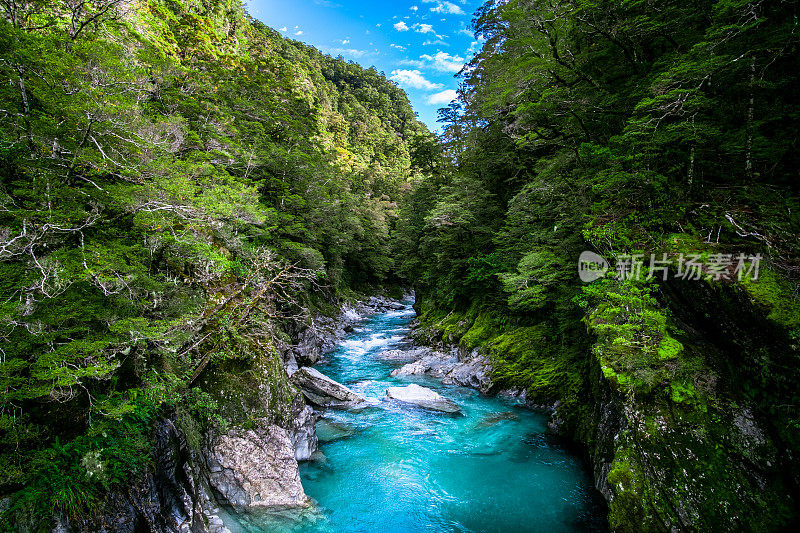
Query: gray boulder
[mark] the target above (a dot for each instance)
(474, 373)
(329, 431)
(323, 391)
(422, 397)
(403, 356)
(256, 469)
(436, 364)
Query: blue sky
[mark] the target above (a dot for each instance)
(420, 44)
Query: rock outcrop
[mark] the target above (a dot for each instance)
(451, 367)
(248, 469)
(256, 468)
(174, 497)
(433, 363)
(474, 372)
(422, 397)
(303, 432)
(321, 390)
(403, 355)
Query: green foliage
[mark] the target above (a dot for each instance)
(160, 162)
(623, 129)
(538, 273)
(631, 332)
(71, 479)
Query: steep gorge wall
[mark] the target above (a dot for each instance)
(713, 454)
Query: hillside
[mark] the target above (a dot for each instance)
(662, 138)
(182, 188)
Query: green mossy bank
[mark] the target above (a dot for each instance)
(628, 129)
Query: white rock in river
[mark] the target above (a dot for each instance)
(323, 391)
(421, 397)
(256, 468)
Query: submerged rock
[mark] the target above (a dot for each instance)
(256, 469)
(422, 397)
(329, 431)
(495, 418)
(323, 391)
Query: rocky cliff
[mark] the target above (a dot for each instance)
(247, 467)
(715, 453)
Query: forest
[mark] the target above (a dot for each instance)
(631, 130)
(182, 189)
(176, 179)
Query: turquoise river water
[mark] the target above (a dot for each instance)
(396, 468)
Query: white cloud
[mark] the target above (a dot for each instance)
(448, 8)
(401, 26)
(413, 63)
(401, 48)
(442, 98)
(345, 41)
(444, 62)
(299, 32)
(423, 28)
(414, 8)
(348, 52)
(284, 29)
(436, 42)
(413, 79)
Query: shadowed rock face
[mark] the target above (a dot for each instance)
(256, 468)
(302, 431)
(174, 497)
(422, 397)
(323, 391)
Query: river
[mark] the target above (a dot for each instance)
(393, 467)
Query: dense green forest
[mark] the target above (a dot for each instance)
(631, 128)
(178, 182)
(182, 188)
